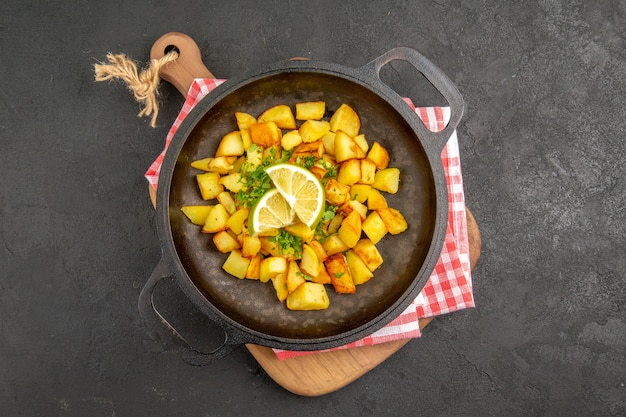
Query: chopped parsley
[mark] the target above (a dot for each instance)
(289, 244)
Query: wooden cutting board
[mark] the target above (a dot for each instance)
(319, 373)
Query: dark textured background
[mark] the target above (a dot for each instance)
(542, 145)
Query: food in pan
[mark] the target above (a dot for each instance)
(298, 201)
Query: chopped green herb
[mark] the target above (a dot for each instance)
(289, 244)
(339, 274)
(305, 276)
(306, 161)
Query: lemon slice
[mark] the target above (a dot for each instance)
(272, 211)
(302, 190)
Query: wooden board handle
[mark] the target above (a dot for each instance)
(187, 67)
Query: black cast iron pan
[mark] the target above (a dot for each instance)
(248, 311)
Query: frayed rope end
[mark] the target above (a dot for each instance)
(144, 85)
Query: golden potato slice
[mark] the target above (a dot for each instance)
(339, 272)
(393, 219)
(346, 148)
(272, 266)
(225, 198)
(309, 264)
(254, 267)
(250, 246)
(374, 227)
(236, 265)
(353, 205)
(294, 276)
(308, 296)
(238, 221)
(349, 172)
(230, 145)
(265, 134)
(376, 200)
(362, 142)
(196, 214)
(359, 192)
(280, 286)
(310, 110)
(313, 130)
(225, 242)
(387, 179)
(350, 230)
(336, 192)
(369, 254)
(359, 271)
(322, 277)
(334, 245)
(233, 182)
(216, 219)
(290, 140)
(209, 184)
(244, 120)
(346, 119)
(368, 172)
(281, 115)
(379, 155)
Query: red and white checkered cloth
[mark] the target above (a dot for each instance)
(449, 287)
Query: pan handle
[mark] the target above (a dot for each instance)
(435, 76)
(186, 67)
(160, 329)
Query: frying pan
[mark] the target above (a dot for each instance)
(246, 310)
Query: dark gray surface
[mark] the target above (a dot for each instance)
(542, 146)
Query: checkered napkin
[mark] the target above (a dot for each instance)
(449, 287)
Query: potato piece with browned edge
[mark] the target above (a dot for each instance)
(225, 242)
(346, 119)
(360, 272)
(334, 245)
(236, 265)
(369, 254)
(308, 296)
(237, 222)
(368, 172)
(346, 148)
(310, 110)
(313, 130)
(374, 227)
(250, 245)
(393, 219)
(294, 276)
(244, 120)
(233, 182)
(209, 185)
(350, 230)
(336, 192)
(349, 172)
(196, 214)
(230, 145)
(254, 267)
(387, 179)
(281, 115)
(280, 286)
(216, 219)
(272, 266)
(265, 134)
(322, 277)
(379, 155)
(309, 264)
(376, 200)
(340, 276)
(290, 140)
